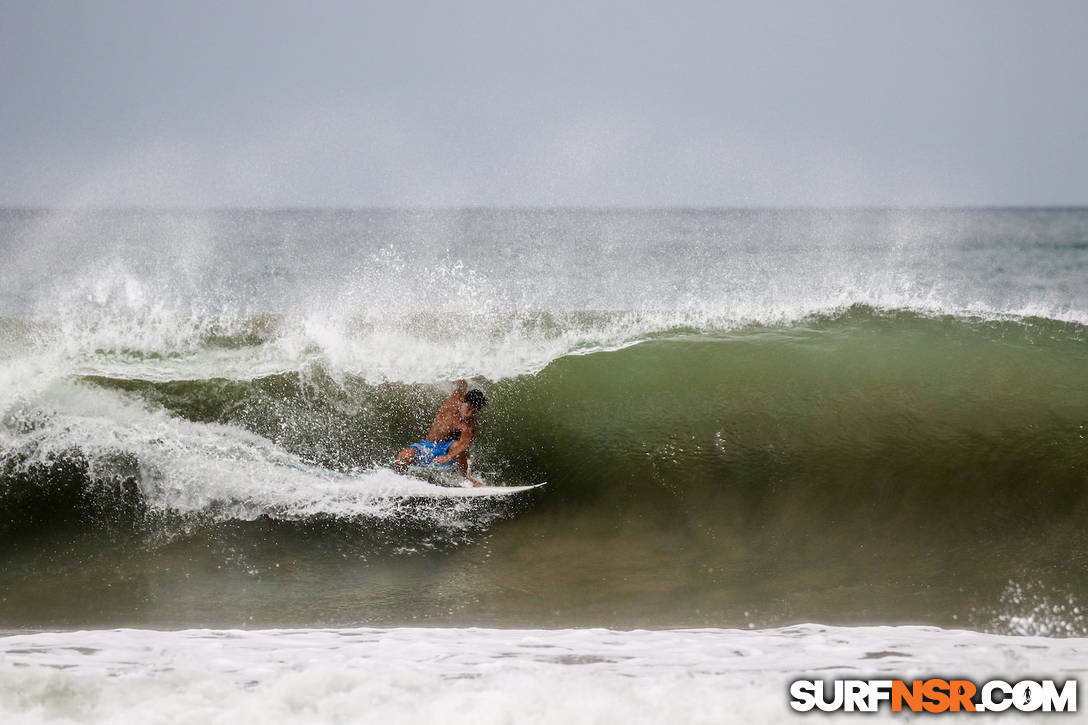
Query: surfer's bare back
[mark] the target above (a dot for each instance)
(450, 435)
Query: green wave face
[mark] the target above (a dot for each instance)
(866, 466)
(881, 467)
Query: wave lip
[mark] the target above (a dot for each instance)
(416, 348)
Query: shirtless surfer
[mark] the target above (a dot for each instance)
(450, 435)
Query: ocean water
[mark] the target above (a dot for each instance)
(748, 420)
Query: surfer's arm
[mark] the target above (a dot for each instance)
(458, 447)
(458, 451)
(448, 406)
(457, 396)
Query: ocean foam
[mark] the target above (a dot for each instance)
(482, 675)
(187, 467)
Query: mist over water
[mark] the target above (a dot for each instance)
(745, 432)
(744, 417)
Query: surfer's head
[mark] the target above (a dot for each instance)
(474, 400)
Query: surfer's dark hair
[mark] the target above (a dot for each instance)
(475, 398)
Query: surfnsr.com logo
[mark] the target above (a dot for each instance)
(934, 695)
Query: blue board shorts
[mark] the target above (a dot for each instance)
(427, 451)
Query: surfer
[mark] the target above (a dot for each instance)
(450, 435)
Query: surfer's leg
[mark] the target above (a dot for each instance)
(405, 458)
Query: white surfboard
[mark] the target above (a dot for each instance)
(462, 491)
(412, 486)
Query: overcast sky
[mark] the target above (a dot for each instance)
(546, 103)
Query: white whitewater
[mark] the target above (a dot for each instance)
(409, 675)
